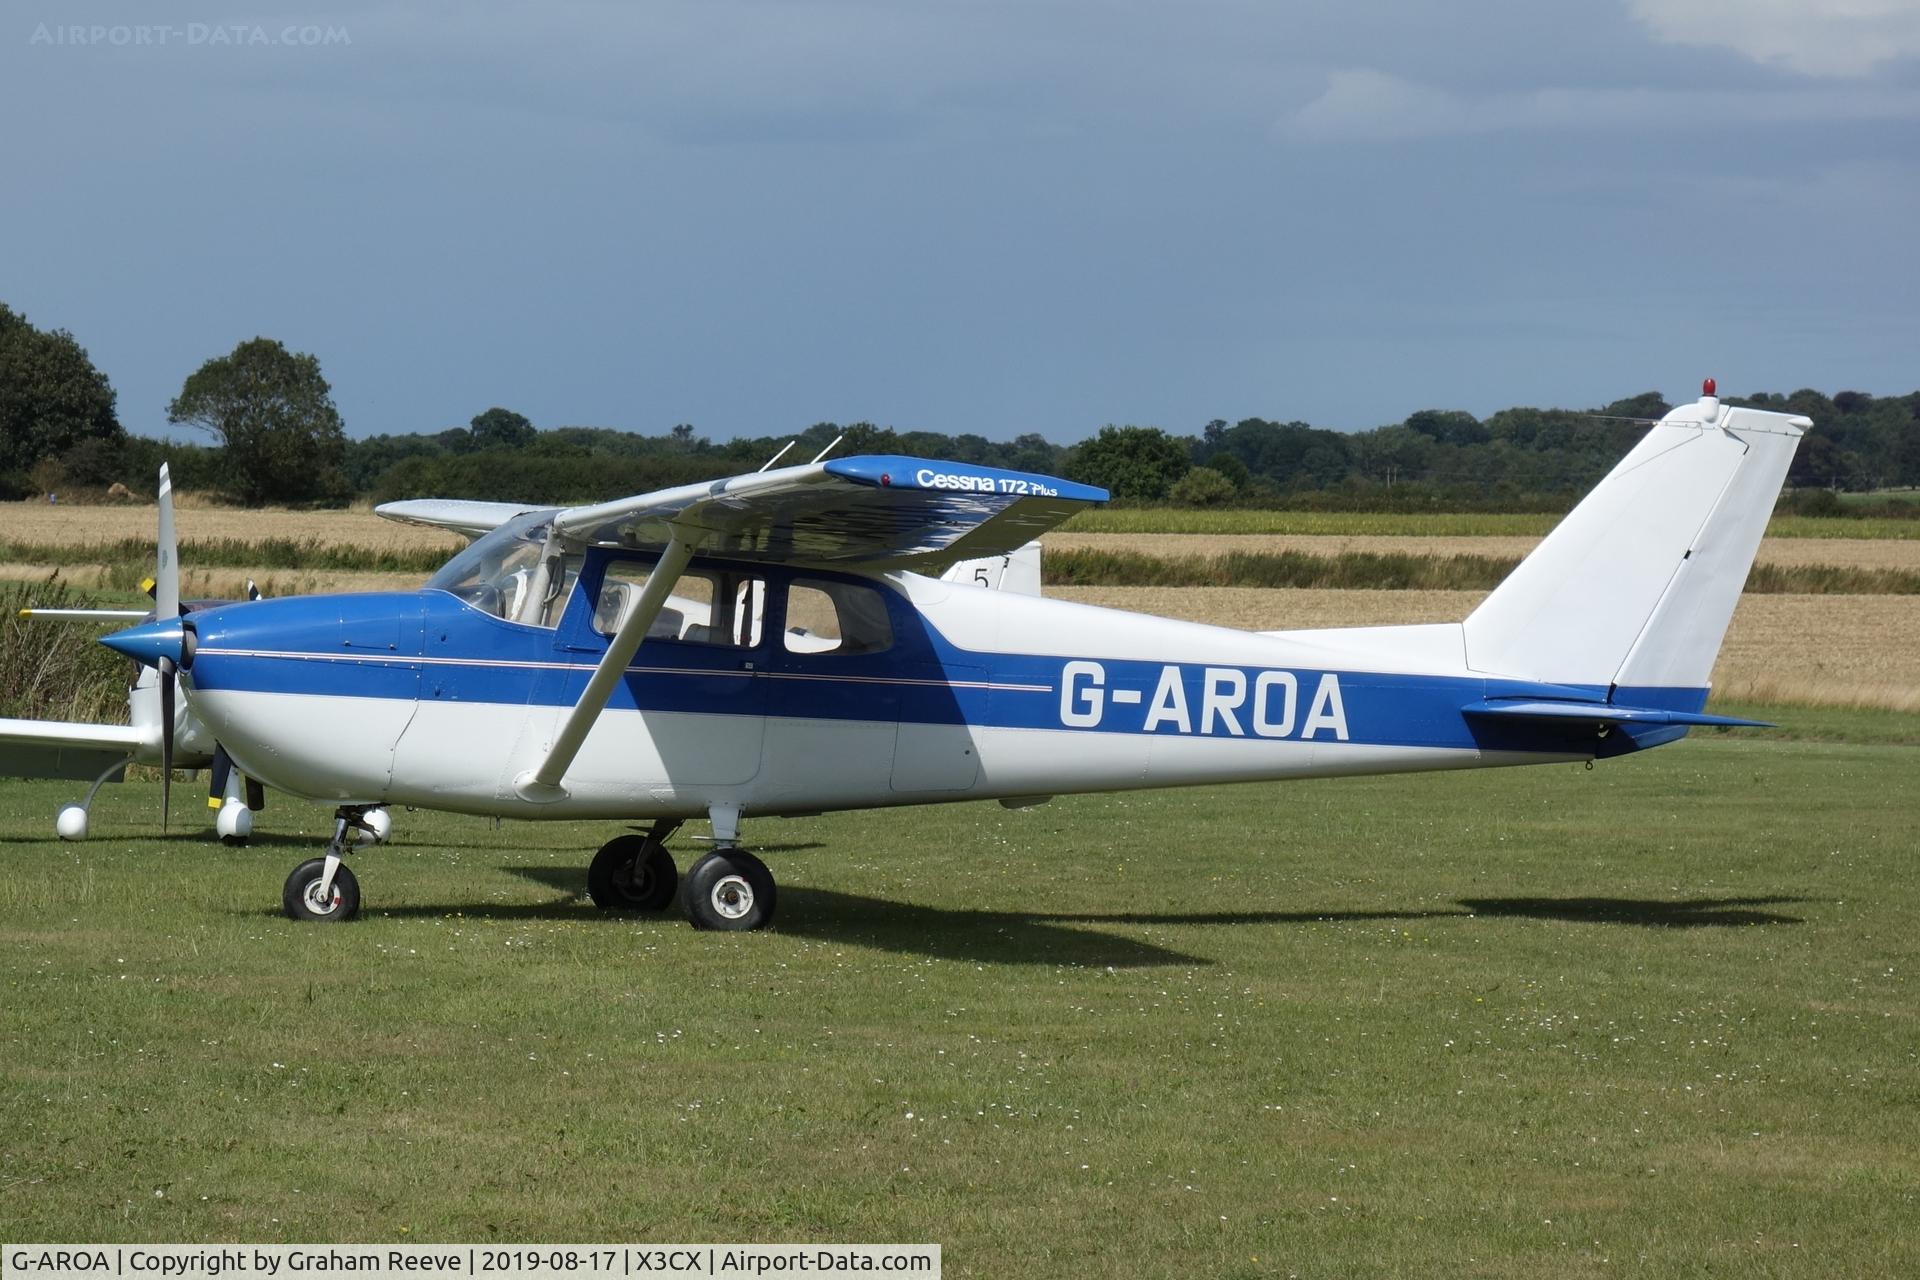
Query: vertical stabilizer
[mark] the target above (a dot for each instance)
(1018, 571)
(1636, 585)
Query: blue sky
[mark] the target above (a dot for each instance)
(993, 215)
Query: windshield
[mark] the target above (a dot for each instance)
(513, 572)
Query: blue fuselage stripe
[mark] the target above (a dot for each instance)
(431, 647)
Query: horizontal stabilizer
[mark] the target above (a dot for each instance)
(1538, 709)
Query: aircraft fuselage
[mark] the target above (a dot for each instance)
(425, 699)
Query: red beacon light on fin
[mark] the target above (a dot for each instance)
(1709, 400)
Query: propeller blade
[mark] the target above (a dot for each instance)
(166, 742)
(166, 578)
(217, 775)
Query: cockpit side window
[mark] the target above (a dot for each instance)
(706, 606)
(541, 596)
(518, 572)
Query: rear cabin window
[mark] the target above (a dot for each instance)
(704, 607)
(836, 617)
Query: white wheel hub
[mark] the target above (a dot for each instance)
(732, 897)
(318, 905)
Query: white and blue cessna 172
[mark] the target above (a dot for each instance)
(773, 644)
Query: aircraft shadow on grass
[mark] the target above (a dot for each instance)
(1650, 913)
(1066, 938)
(996, 937)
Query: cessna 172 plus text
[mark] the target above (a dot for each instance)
(778, 644)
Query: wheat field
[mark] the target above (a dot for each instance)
(1817, 650)
(35, 522)
(1845, 553)
(220, 584)
(38, 522)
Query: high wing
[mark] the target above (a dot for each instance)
(73, 733)
(86, 615)
(876, 511)
(455, 514)
(870, 512)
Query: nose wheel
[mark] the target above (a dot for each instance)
(306, 898)
(322, 889)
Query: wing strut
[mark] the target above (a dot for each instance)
(542, 785)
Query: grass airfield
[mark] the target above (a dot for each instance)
(1654, 1018)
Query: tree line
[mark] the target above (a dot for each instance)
(276, 436)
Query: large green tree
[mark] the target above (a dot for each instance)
(499, 428)
(52, 399)
(1130, 462)
(273, 414)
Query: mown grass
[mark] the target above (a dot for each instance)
(1411, 571)
(1877, 726)
(1658, 1018)
(1422, 524)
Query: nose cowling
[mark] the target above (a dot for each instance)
(309, 694)
(150, 643)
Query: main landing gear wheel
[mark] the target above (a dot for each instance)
(303, 900)
(632, 873)
(730, 890)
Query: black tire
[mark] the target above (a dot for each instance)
(298, 896)
(729, 890)
(632, 873)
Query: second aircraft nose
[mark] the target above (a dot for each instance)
(151, 642)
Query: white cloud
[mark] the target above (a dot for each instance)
(1815, 37)
(1365, 105)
